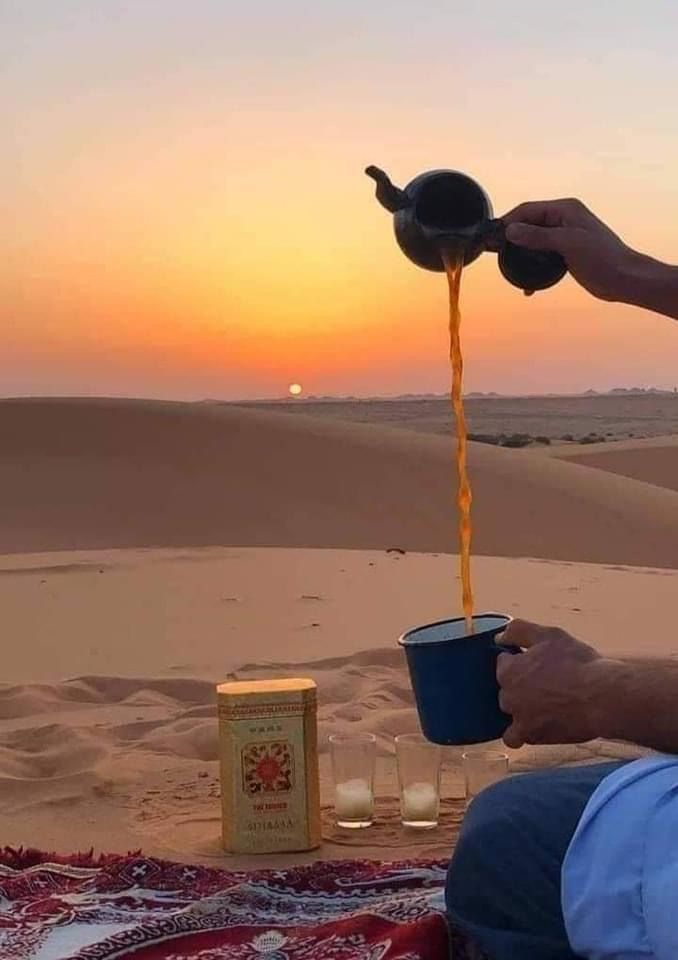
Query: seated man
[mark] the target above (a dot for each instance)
(578, 861)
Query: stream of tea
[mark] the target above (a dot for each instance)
(453, 268)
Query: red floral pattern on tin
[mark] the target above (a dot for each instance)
(268, 767)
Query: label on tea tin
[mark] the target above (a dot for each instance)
(268, 744)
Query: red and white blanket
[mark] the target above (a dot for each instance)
(155, 910)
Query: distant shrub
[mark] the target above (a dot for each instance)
(485, 438)
(517, 440)
(567, 436)
(546, 441)
(592, 438)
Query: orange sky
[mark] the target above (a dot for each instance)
(190, 217)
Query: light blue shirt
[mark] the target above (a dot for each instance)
(620, 873)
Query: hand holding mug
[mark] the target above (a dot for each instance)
(550, 691)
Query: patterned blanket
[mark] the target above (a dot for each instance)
(123, 907)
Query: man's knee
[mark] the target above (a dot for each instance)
(517, 828)
(502, 801)
(489, 815)
(488, 841)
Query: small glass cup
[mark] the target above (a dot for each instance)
(482, 768)
(419, 780)
(353, 766)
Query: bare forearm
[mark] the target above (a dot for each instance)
(649, 283)
(637, 701)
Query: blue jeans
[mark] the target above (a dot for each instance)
(503, 883)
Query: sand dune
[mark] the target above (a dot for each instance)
(652, 460)
(94, 474)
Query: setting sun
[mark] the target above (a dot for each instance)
(295, 389)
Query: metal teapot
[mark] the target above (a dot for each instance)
(447, 210)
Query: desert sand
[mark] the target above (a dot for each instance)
(152, 550)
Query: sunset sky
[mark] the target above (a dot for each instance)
(186, 214)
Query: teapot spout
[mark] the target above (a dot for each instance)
(388, 195)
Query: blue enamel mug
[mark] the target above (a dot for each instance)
(454, 678)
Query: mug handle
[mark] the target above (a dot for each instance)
(505, 648)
